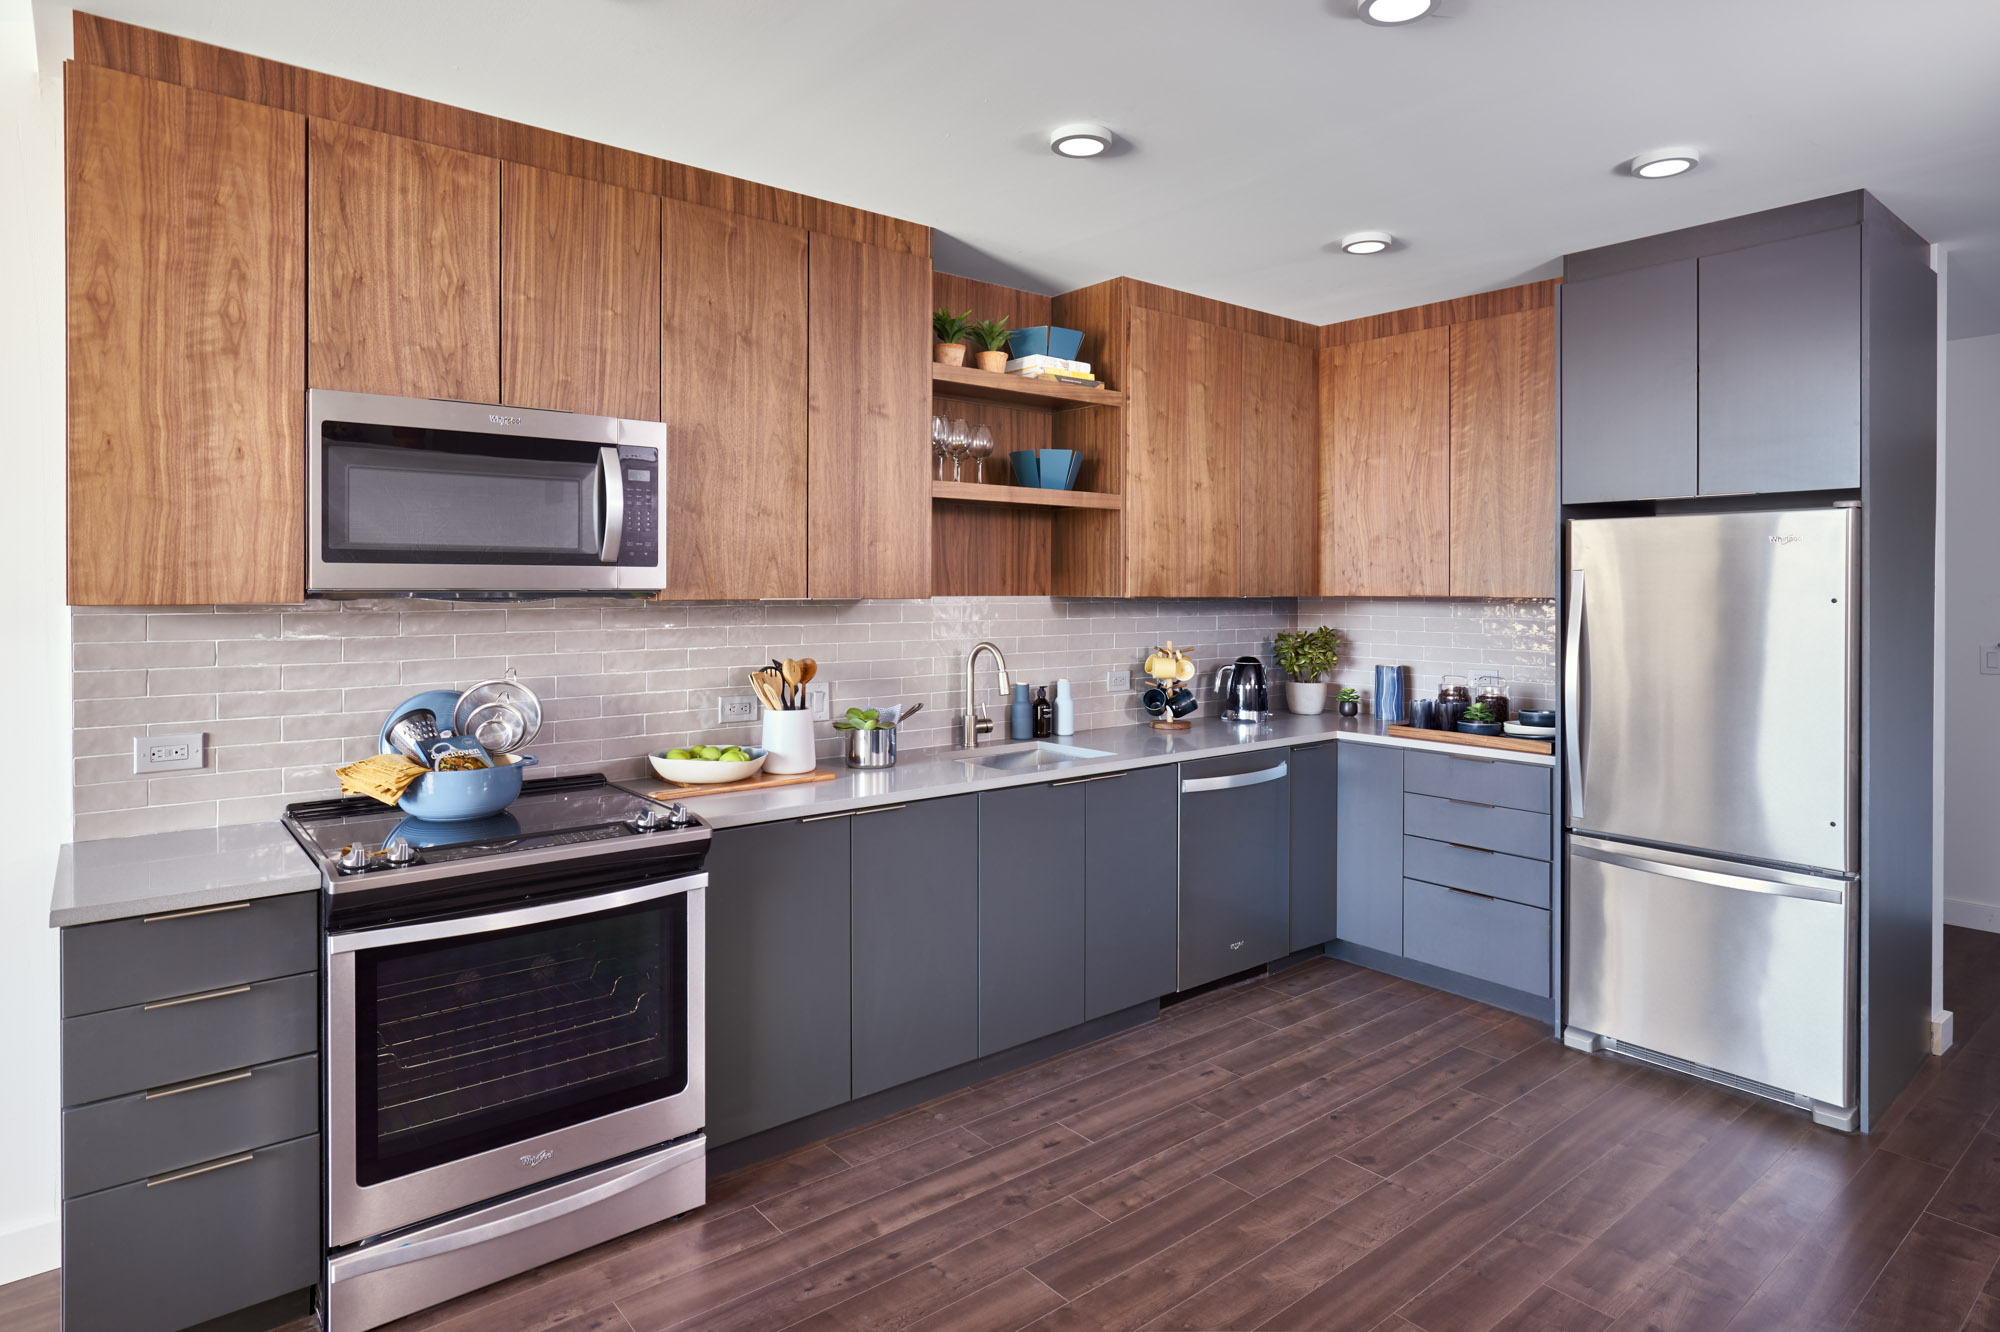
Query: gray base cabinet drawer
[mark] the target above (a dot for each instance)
(182, 1248)
(143, 1047)
(154, 1133)
(1503, 942)
(136, 961)
(1516, 878)
(1484, 781)
(1515, 831)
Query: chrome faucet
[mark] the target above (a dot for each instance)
(976, 722)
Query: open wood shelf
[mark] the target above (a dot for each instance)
(977, 493)
(956, 381)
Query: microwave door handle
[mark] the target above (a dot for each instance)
(612, 477)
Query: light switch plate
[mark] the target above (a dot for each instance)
(1989, 660)
(736, 708)
(819, 699)
(1117, 679)
(169, 753)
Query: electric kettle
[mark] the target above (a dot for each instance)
(1240, 686)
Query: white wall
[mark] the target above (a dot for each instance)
(1971, 577)
(34, 647)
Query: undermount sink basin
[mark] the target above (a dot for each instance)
(1031, 754)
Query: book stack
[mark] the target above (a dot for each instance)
(1054, 370)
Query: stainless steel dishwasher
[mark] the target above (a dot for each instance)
(1235, 897)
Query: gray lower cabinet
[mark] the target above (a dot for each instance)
(191, 1162)
(1629, 347)
(778, 974)
(915, 932)
(1236, 890)
(1781, 365)
(1369, 859)
(1477, 935)
(1130, 883)
(1031, 913)
(1315, 795)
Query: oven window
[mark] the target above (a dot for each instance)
(465, 1045)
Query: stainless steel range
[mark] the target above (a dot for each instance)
(514, 1061)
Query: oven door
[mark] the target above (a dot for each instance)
(471, 1058)
(429, 496)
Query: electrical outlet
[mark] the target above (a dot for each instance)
(1118, 679)
(736, 708)
(168, 753)
(819, 700)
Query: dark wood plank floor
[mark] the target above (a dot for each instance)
(1325, 1149)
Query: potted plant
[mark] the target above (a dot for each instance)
(1350, 702)
(1306, 657)
(990, 336)
(949, 330)
(1479, 720)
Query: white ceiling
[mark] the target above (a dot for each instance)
(1255, 132)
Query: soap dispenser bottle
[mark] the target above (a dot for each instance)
(1065, 709)
(1021, 723)
(1045, 714)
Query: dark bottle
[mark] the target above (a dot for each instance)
(1045, 713)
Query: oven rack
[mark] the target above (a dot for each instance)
(455, 1108)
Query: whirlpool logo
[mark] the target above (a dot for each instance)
(1782, 540)
(497, 419)
(533, 1159)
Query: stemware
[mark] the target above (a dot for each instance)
(955, 443)
(938, 434)
(981, 445)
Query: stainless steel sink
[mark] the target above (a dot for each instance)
(1029, 755)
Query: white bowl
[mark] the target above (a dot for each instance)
(706, 772)
(1531, 732)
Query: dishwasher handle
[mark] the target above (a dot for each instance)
(1190, 785)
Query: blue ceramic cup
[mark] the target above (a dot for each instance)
(1391, 699)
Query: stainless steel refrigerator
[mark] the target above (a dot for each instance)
(1711, 746)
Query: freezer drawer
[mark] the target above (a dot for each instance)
(1746, 970)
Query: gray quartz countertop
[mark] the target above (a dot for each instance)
(928, 774)
(182, 871)
(120, 877)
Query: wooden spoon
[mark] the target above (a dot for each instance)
(795, 677)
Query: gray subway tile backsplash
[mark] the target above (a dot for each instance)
(287, 693)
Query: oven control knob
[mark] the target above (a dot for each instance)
(677, 817)
(355, 857)
(400, 852)
(648, 818)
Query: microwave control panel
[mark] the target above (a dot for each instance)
(641, 466)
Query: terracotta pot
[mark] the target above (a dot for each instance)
(1307, 700)
(994, 361)
(948, 353)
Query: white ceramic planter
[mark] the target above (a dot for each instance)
(788, 741)
(1307, 700)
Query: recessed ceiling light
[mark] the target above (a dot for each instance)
(1367, 242)
(1083, 139)
(1667, 162)
(1388, 13)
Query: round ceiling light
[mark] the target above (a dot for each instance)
(1389, 13)
(1367, 242)
(1667, 162)
(1083, 139)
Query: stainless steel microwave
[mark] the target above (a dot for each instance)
(411, 496)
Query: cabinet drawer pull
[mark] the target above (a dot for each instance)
(197, 998)
(1484, 851)
(1476, 804)
(192, 1171)
(1079, 781)
(822, 818)
(1317, 744)
(1467, 892)
(177, 1088)
(882, 809)
(193, 911)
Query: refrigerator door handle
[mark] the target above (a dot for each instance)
(1573, 692)
(1695, 869)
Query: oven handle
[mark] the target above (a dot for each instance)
(395, 1255)
(362, 940)
(613, 478)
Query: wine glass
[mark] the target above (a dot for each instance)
(955, 443)
(981, 445)
(939, 432)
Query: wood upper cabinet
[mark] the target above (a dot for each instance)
(868, 371)
(186, 258)
(1277, 548)
(1183, 476)
(1386, 456)
(403, 296)
(1503, 457)
(579, 295)
(732, 348)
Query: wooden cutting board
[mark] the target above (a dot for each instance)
(1518, 744)
(677, 791)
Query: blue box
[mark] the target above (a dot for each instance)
(1045, 340)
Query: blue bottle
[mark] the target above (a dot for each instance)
(1021, 725)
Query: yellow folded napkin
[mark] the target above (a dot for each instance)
(383, 776)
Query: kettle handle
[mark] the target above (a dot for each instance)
(1222, 673)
